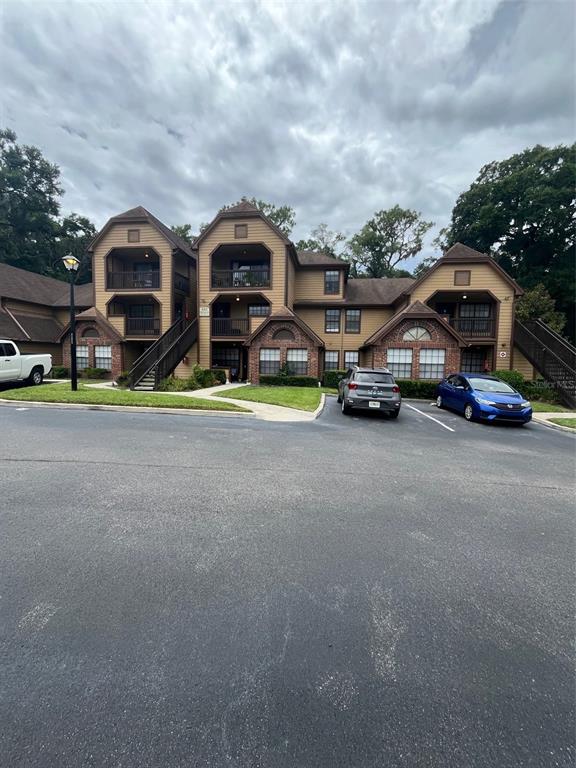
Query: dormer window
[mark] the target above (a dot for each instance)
(133, 235)
(332, 282)
(240, 231)
(462, 277)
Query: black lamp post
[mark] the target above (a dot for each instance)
(72, 263)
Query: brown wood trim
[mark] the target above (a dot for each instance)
(340, 290)
(133, 247)
(339, 321)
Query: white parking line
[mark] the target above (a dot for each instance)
(406, 405)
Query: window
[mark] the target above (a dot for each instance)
(284, 334)
(7, 350)
(225, 357)
(115, 309)
(374, 378)
(332, 321)
(269, 361)
(462, 277)
(417, 333)
(297, 362)
(352, 324)
(82, 360)
(103, 357)
(240, 230)
(133, 235)
(141, 310)
(350, 358)
(330, 360)
(432, 363)
(474, 310)
(90, 333)
(332, 282)
(258, 310)
(400, 363)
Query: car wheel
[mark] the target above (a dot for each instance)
(345, 409)
(439, 402)
(468, 412)
(36, 377)
(339, 400)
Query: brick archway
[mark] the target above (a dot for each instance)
(274, 335)
(440, 338)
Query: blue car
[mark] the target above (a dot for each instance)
(482, 397)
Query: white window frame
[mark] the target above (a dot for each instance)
(98, 355)
(336, 360)
(399, 362)
(433, 363)
(349, 363)
(294, 360)
(82, 360)
(269, 355)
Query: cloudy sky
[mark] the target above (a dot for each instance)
(338, 108)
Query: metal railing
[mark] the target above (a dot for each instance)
(552, 356)
(181, 283)
(230, 326)
(240, 278)
(165, 353)
(475, 327)
(142, 326)
(141, 280)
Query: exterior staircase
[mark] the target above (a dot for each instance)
(162, 357)
(552, 356)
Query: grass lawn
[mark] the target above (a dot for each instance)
(61, 393)
(564, 422)
(546, 407)
(301, 398)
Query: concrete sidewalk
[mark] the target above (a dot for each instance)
(544, 418)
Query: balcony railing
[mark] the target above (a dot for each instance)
(141, 280)
(181, 283)
(475, 327)
(142, 326)
(230, 326)
(240, 278)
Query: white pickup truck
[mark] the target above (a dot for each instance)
(17, 367)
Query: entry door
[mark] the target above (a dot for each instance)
(9, 363)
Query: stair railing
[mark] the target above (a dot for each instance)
(146, 362)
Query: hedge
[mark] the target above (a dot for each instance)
(95, 373)
(417, 388)
(288, 381)
(60, 372)
(331, 378)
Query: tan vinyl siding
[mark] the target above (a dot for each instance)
(483, 277)
(521, 364)
(291, 277)
(223, 233)
(371, 321)
(184, 369)
(310, 286)
(117, 237)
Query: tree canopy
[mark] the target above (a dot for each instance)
(388, 238)
(537, 304)
(32, 234)
(322, 239)
(522, 210)
(184, 231)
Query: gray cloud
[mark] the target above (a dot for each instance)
(338, 108)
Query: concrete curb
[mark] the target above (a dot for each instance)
(123, 408)
(321, 405)
(551, 425)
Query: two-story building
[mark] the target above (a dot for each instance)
(243, 298)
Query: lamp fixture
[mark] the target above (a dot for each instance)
(146, 255)
(464, 296)
(71, 262)
(237, 298)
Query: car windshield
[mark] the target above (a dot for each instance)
(491, 385)
(374, 378)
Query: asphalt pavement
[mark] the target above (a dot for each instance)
(354, 592)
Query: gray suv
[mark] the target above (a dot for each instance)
(370, 389)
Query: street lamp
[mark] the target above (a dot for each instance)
(72, 263)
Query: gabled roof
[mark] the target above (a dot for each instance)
(98, 318)
(140, 214)
(286, 315)
(10, 329)
(243, 210)
(415, 311)
(463, 254)
(365, 292)
(22, 285)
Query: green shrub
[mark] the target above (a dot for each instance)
(204, 377)
(95, 373)
(514, 378)
(60, 372)
(173, 384)
(123, 380)
(331, 378)
(281, 380)
(417, 388)
(539, 390)
(219, 375)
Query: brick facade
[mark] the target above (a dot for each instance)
(266, 339)
(103, 339)
(440, 338)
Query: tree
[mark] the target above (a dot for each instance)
(29, 205)
(74, 234)
(322, 239)
(523, 211)
(537, 304)
(389, 237)
(184, 231)
(284, 216)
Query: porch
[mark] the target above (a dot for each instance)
(135, 317)
(237, 267)
(132, 269)
(474, 315)
(237, 316)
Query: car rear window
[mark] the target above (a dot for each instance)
(374, 378)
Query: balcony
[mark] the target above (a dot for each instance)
(475, 327)
(139, 280)
(228, 327)
(142, 326)
(240, 278)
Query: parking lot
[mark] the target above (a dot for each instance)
(362, 592)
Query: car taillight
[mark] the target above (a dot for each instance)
(352, 385)
(395, 389)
